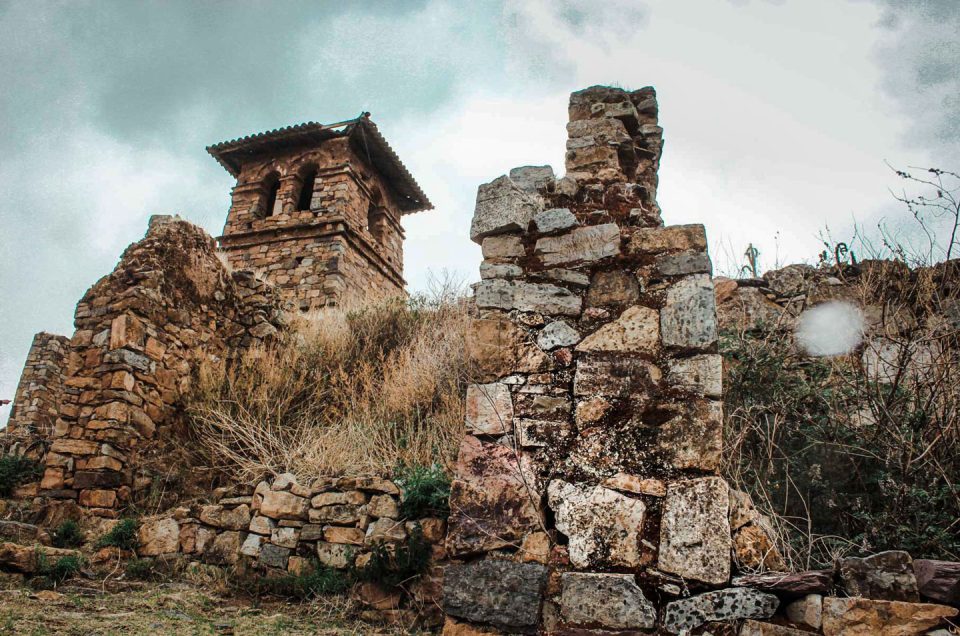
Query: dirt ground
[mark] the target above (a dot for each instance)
(161, 609)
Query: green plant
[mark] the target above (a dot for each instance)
(315, 581)
(16, 470)
(51, 575)
(68, 535)
(394, 566)
(123, 535)
(426, 491)
(143, 569)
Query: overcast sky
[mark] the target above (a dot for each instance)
(778, 115)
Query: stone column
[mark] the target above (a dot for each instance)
(586, 483)
(36, 403)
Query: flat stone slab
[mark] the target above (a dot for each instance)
(884, 576)
(582, 244)
(503, 594)
(799, 583)
(695, 530)
(938, 580)
(866, 617)
(722, 605)
(611, 601)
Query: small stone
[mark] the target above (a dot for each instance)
(754, 549)
(807, 611)
(377, 596)
(335, 555)
(865, 617)
(613, 288)
(159, 536)
(554, 220)
(274, 556)
(637, 330)
(722, 605)
(633, 484)
(535, 548)
(885, 576)
(284, 481)
(603, 527)
(756, 628)
(591, 410)
(610, 601)
(285, 537)
(262, 525)
(351, 497)
(385, 531)
(251, 545)
(557, 334)
(695, 531)
(489, 409)
(500, 247)
(339, 534)
(283, 505)
(383, 506)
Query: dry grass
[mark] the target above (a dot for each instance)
(363, 390)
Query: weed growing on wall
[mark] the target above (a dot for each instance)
(397, 566)
(426, 491)
(16, 470)
(123, 535)
(68, 535)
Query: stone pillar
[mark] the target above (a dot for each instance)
(37, 400)
(588, 471)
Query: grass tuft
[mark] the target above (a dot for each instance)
(123, 535)
(16, 470)
(68, 535)
(426, 491)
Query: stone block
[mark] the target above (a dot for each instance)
(756, 628)
(554, 220)
(699, 374)
(225, 548)
(884, 576)
(507, 203)
(722, 605)
(385, 530)
(806, 611)
(688, 319)
(251, 545)
(938, 580)
(339, 534)
(583, 244)
(503, 594)
(350, 497)
(158, 536)
(335, 555)
(619, 377)
(262, 525)
(494, 499)
(603, 527)
(557, 334)
(537, 297)
(489, 409)
(789, 583)
(657, 240)
(867, 617)
(636, 485)
(683, 263)
(613, 288)
(695, 530)
(283, 505)
(285, 537)
(501, 247)
(609, 601)
(636, 330)
(694, 439)
(492, 345)
(340, 514)
(274, 556)
(383, 506)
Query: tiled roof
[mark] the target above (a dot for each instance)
(364, 136)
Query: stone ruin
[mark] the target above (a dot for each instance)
(586, 497)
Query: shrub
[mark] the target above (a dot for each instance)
(363, 389)
(68, 535)
(426, 491)
(123, 535)
(16, 470)
(142, 569)
(394, 566)
(316, 581)
(51, 575)
(857, 453)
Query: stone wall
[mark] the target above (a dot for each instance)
(36, 403)
(139, 333)
(586, 497)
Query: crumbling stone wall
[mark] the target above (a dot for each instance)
(586, 497)
(37, 399)
(139, 331)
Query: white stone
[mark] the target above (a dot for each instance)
(603, 527)
(557, 334)
(509, 202)
(612, 601)
(489, 409)
(251, 545)
(695, 530)
(537, 297)
(583, 244)
(554, 219)
(689, 316)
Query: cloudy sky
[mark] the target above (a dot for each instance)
(778, 115)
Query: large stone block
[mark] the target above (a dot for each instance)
(695, 530)
(283, 505)
(159, 536)
(722, 605)
(489, 409)
(610, 601)
(866, 617)
(492, 345)
(636, 330)
(538, 297)
(657, 240)
(603, 527)
(554, 220)
(583, 244)
(694, 439)
(701, 374)
(938, 580)
(688, 319)
(503, 594)
(494, 500)
(620, 377)
(507, 203)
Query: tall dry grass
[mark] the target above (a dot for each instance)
(358, 390)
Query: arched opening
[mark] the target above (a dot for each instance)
(308, 180)
(373, 221)
(271, 188)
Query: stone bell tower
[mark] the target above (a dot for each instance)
(317, 209)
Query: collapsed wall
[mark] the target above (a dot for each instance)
(586, 497)
(139, 331)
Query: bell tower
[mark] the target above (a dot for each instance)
(317, 209)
